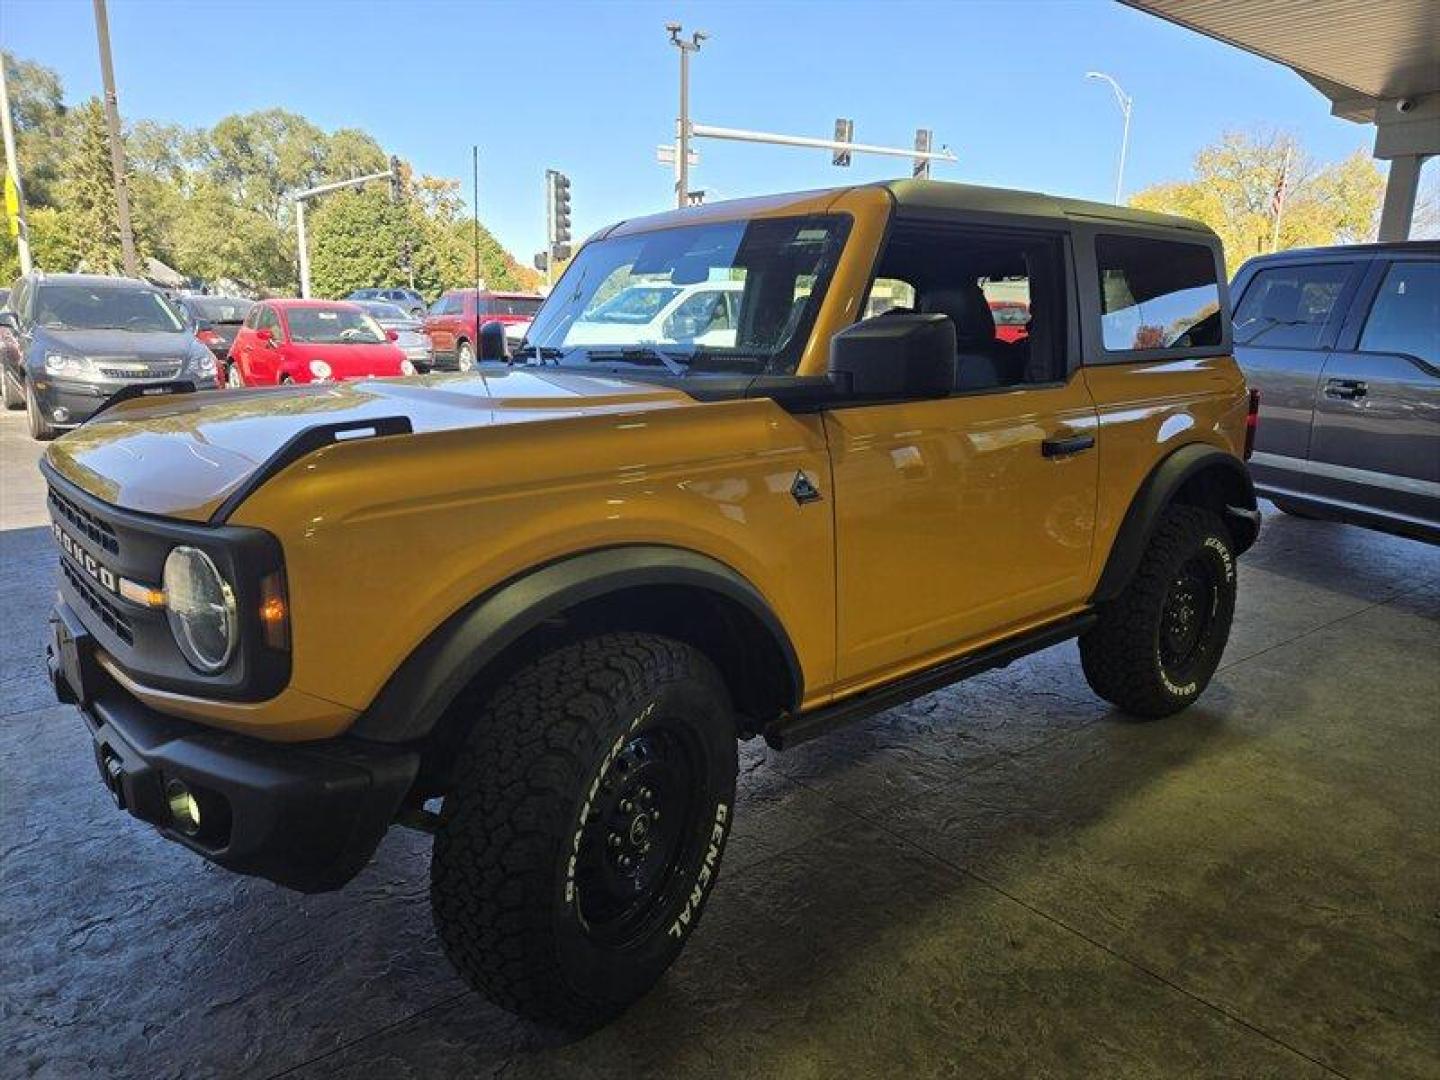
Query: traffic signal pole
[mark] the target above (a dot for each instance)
(14, 193)
(301, 197)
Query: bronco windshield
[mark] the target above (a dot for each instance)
(735, 296)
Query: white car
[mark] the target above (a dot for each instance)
(660, 313)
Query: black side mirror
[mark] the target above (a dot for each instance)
(492, 342)
(9, 320)
(896, 355)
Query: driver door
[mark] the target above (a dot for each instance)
(964, 519)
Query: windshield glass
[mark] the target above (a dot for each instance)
(735, 296)
(333, 326)
(385, 311)
(218, 309)
(100, 307)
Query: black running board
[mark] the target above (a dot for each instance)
(790, 731)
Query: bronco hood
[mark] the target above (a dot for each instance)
(182, 456)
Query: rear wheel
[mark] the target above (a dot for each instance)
(1158, 643)
(40, 428)
(10, 392)
(464, 356)
(584, 827)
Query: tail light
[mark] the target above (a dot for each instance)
(207, 338)
(1252, 422)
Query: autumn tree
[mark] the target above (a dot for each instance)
(1262, 191)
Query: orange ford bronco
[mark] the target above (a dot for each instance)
(759, 469)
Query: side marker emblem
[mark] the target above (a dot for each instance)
(803, 491)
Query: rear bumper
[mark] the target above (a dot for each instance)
(304, 815)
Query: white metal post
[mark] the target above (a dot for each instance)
(710, 131)
(682, 122)
(12, 164)
(1126, 103)
(309, 193)
(304, 254)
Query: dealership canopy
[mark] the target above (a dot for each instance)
(1378, 63)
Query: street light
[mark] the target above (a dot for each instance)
(682, 139)
(1125, 101)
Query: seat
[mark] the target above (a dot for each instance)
(979, 363)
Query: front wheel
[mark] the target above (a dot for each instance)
(1158, 643)
(41, 429)
(464, 356)
(584, 825)
(10, 391)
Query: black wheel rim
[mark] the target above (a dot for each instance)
(638, 835)
(1186, 617)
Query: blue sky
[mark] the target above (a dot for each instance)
(591, 88)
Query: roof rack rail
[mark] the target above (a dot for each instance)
(302, 445)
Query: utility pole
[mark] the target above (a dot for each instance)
(1126, 103)
(682, 123)
(475, 213)
(117, 148)
(14, 193)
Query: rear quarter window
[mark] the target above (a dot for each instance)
(1288, 307)
(1157, 295)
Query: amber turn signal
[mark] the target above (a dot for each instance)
(274, 611)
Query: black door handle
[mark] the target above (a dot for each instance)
(1345, 389)
(1072, 444)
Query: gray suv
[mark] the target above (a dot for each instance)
(83, 337)
(1344, 346)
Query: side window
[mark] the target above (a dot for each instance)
(1288, 307)
(1003, 291)
(270, 320)
(1405, 317)
(444, 306)
(1157, 294)
(887, 294)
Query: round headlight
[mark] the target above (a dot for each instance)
(201, 608)
(320, 370)
(407, 368)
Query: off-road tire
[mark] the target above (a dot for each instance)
(515, 851)
(41, 430)
(11, 394)
(464, 356)
(1124, 654)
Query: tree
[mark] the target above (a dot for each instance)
(87, 195)
(1246, 185)
(42, 130)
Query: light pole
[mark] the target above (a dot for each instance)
(301, 197)
(682, 124)
(1126, 102)
(14, 193)
(117, 147)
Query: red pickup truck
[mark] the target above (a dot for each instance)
(455, 319)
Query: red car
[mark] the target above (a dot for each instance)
(301, 341)
(455, 319)
(1012, 320)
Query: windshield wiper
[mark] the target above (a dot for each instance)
(637, 355)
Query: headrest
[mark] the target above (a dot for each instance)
(968, 310)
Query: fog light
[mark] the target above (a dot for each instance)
(60, 415)
(184, 810)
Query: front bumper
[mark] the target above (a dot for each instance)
(305, 815)
(80, 399)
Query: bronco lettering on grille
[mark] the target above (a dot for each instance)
(92, 566)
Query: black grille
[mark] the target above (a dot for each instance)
(107, 612)
(87, 524)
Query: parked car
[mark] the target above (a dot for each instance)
(406, 299)
(83, 337)
(1012, 320)
(217, 320)
(1343, 344)
(659, 312)
(455, 319)
(555, 598)
(301, 341)
(409, 332)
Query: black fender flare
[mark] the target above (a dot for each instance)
(1158, 491)
(419, 691)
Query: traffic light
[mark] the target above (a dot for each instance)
(924, 139)
(844, 132)
(557, 187)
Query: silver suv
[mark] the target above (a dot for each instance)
(1344, 345)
